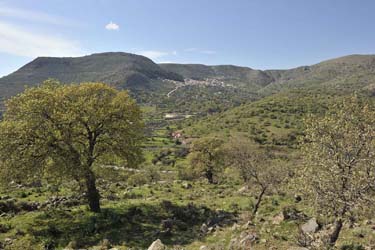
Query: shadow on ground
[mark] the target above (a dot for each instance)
(133, 226)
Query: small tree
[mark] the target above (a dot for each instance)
(339, 172)
(206, 157)
(258, 167)
(64, 130)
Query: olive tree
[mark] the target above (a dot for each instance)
(339, 167)
(259, 169)
(65, 130)
(206, 157)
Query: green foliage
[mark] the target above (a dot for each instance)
(206, 157)
(138, 179)
(338, 174)
(56, 131)
(186, 172)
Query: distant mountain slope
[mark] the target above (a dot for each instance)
(235, 75)
(150, 82)
(120, 69)
(344, 74)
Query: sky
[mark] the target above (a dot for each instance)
(261, 34)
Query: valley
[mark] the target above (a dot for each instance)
(187, 111)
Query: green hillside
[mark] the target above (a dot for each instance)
(122, 70)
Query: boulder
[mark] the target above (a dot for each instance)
(311, 226)
(243, 242)
(278, 219)
(156, 245)
(204, 228)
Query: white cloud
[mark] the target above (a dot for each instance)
(19, 41)
(112, 26)
(35, 16)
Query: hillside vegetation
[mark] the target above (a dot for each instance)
(232, 157)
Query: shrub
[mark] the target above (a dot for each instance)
(186, 173)
(138, 179)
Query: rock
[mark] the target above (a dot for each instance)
(243, 242)
(235, 227)
(186, 185)
(278, 219)
(242, 190)
(105, 245)
(291, 213)
(311, 226)
(156, 245)
(204, 228)
(8, 241)
(247, 225)
(203, 248)
(72, 245)
(211, 229)
(298, 248)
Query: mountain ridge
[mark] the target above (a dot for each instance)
(139, 73)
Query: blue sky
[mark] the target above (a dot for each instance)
(263, 34)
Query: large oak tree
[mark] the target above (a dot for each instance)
(339, 152)
(65, 130)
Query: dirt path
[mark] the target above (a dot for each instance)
(176, 88)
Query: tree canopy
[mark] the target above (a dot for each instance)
(206, 157)
(339, 172)
(61, 131)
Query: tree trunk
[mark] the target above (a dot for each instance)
(259, 200)
(336, 232)
(210, 176)
(93, 196)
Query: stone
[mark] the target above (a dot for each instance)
(203, 248)
(235, 227)
(242, 190)
(243, 242)
(204, 228)
(311, 226)
(71, 245)
(105, 245)
(8, 241)
(156, 245)
(186, 185)
(247, 225)
(278, 219)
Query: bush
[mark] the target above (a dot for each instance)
(352, 246)
(152, 174)
(186, 173)
(138, 179)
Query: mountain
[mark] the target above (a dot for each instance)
(343, 74)
(122, 70)
(189, 87)
(230, 74)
